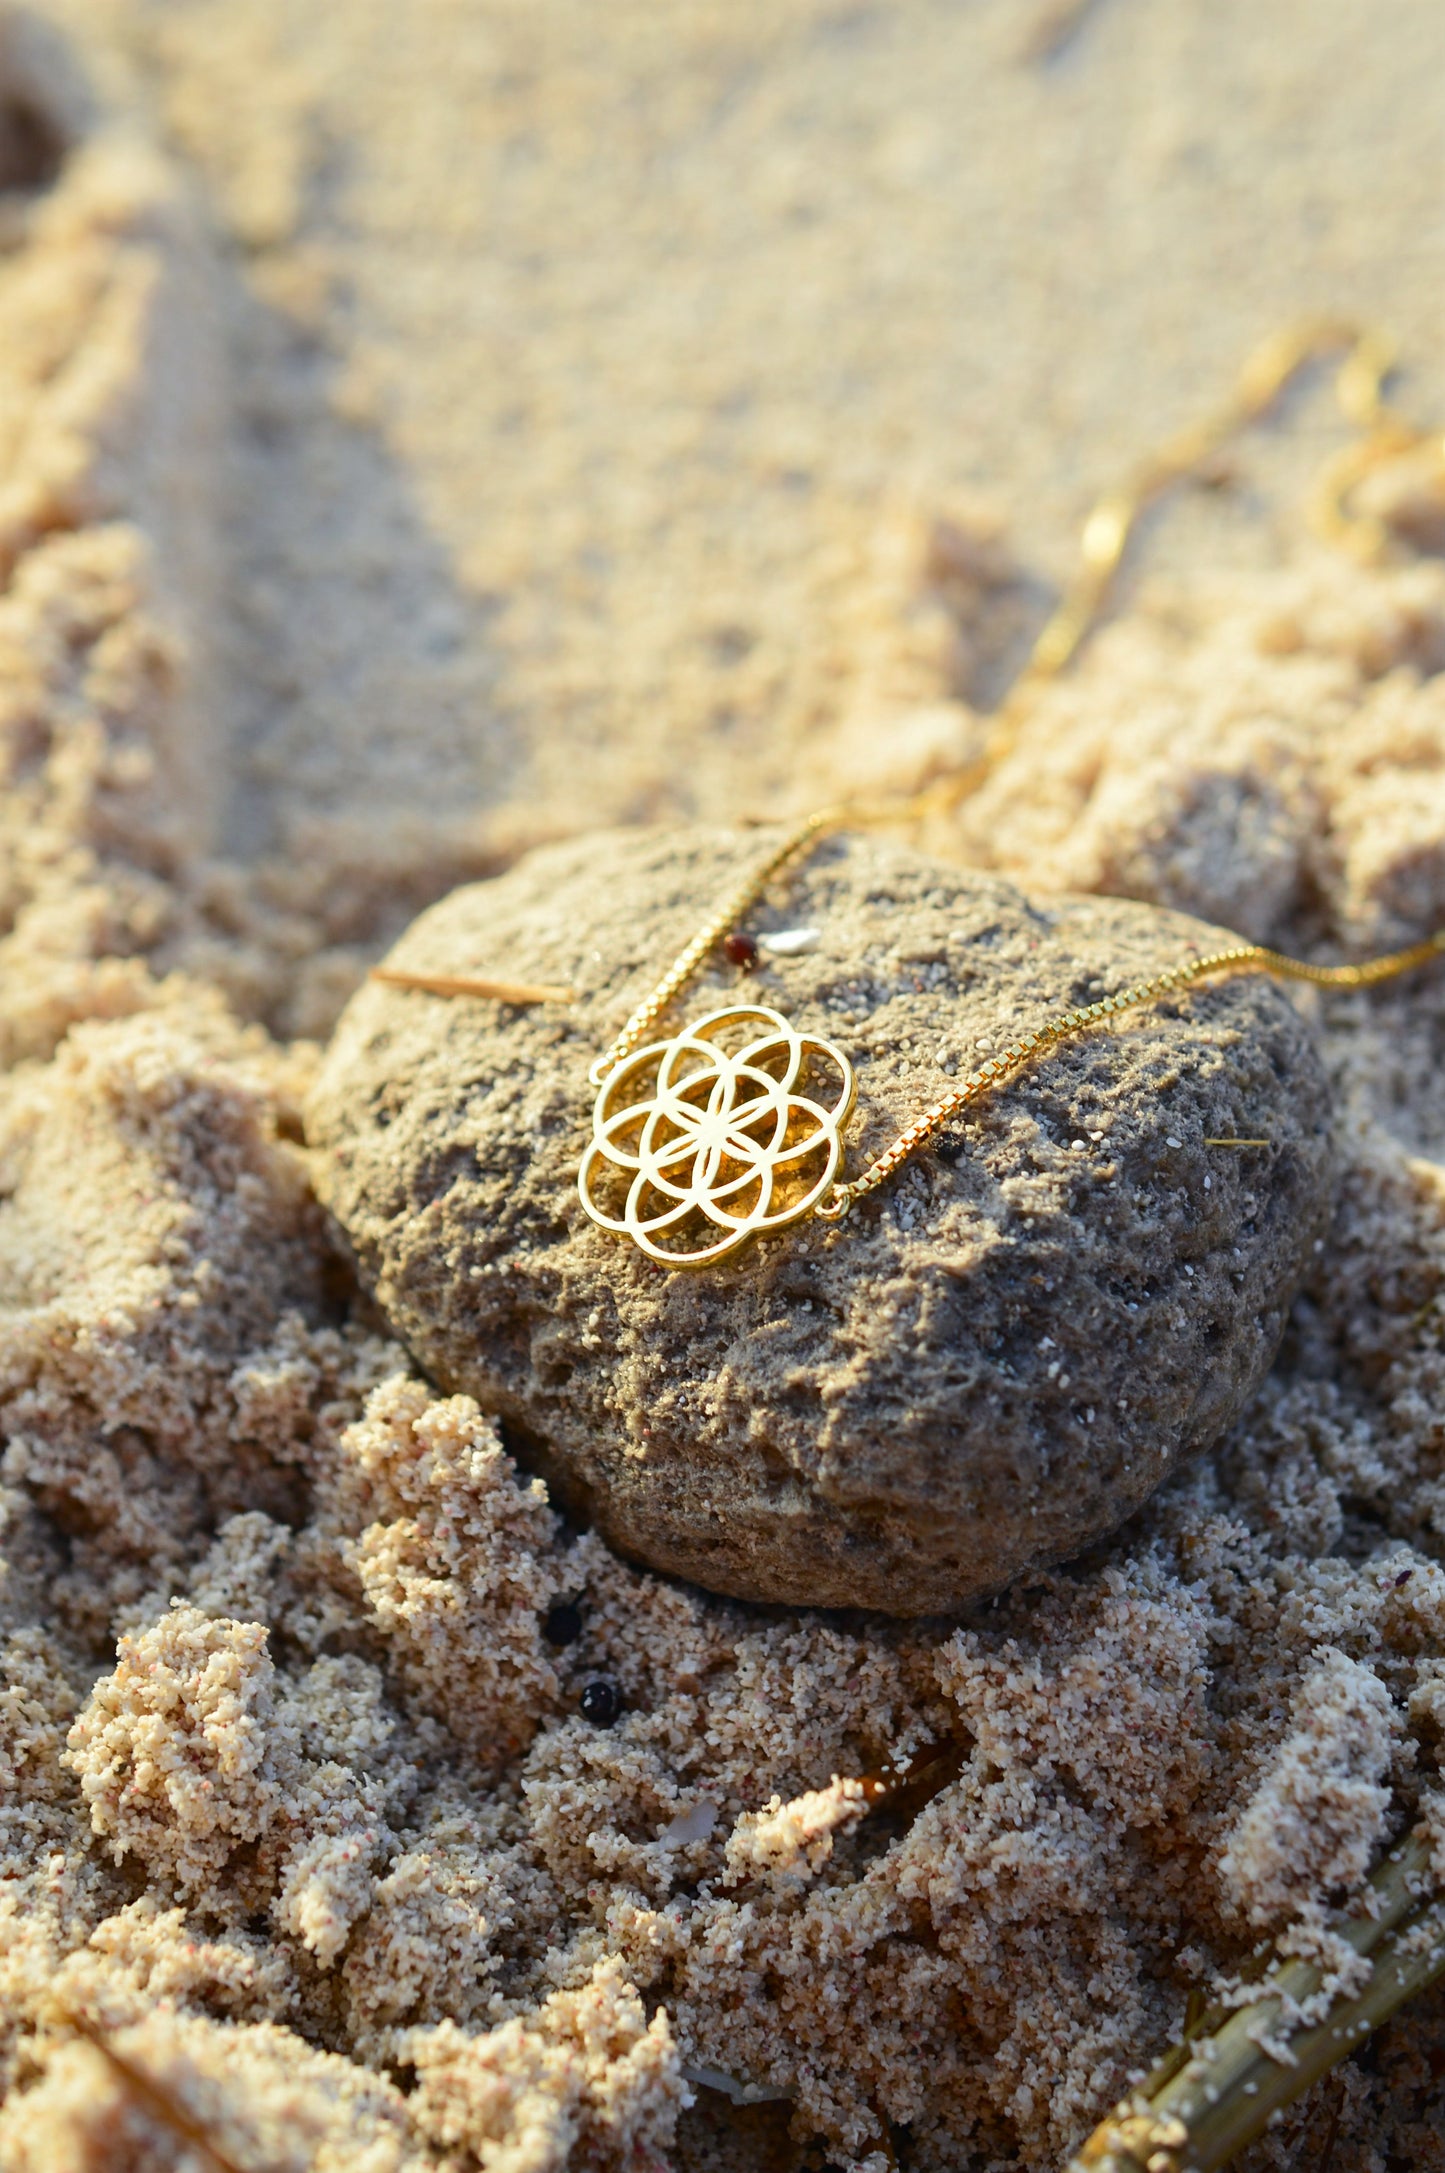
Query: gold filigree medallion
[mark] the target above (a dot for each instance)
(732, 1127)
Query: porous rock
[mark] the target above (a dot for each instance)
(988, 1365)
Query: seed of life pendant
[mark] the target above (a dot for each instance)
(732, 1127)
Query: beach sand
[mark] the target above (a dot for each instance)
(428, 432)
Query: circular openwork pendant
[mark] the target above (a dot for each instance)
(700, 1143)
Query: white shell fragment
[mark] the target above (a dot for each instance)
(741, 2093)
(787, 942)
(694, 1824)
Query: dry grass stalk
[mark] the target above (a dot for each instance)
(1220, 2087)
(464, 984)
(156, 2098)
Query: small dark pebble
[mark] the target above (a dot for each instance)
(738, 949)
(562, 1624)
(601, 1703)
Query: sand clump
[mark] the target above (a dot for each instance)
(298, 1804)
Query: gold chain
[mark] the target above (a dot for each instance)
(687, 961)
(1238, 958)
(1109, 529)
(1106, 537)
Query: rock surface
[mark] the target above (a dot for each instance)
(988, 1365)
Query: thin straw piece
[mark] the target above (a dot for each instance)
(463, 984)
(156, 2097)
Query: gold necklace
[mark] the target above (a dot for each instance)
(733, 1127)
(716, 1145)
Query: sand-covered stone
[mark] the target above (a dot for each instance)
(988, 1365)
